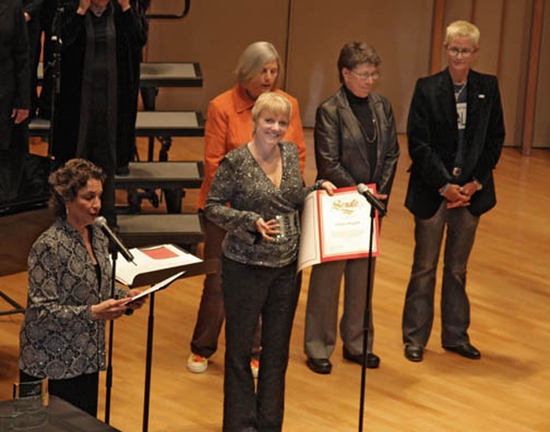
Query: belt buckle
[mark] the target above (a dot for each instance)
(457, 171)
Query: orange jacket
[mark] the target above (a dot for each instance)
(229, 125)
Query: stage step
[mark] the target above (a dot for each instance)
(148, 124)
(162, 175)
(163, 125)
(153, 229)
(160, 74)
(171, 177)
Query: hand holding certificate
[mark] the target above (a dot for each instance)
(336, 227)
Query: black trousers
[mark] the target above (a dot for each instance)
(211, 314)
(80, 391)
(12, 165)
(250, 292)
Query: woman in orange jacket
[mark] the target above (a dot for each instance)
(228, 126)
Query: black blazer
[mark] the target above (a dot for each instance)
(340, 143)
(433, 139)
(14, 66)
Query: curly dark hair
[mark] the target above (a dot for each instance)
(68, 180)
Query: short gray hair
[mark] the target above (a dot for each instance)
(252, 60)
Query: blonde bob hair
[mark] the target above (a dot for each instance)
(462, 29)
(253, 59)
(273, 103)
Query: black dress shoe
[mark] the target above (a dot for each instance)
(373, 361)
(465, 350)
(414, 353)
(319, 365)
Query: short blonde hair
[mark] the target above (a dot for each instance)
(462, 28)
(271, 102)
(253, 59)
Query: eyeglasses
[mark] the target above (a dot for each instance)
(454, 51)
(366, 76)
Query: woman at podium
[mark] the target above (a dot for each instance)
(262, 183)
(69, 299)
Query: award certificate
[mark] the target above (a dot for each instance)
(336, 227)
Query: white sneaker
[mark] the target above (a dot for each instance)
(255, 367)
(196, 363)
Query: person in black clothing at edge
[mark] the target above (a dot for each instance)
(14, 99)
(31, 10)
(95, 119)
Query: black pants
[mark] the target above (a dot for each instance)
(12, 165)
(211, 314)
(248, 292)
(80, 391)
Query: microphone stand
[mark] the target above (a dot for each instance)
(55, 66)
(109, 377)
(366, 320)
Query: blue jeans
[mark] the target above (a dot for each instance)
(418, 312)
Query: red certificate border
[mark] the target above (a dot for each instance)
(345, 256)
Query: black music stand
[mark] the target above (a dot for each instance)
(17, 308)
(151, 278)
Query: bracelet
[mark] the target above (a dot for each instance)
(479, 186)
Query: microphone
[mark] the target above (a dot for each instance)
(373, 201)
(102, 223)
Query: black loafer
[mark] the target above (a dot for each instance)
(319, 365)
(414, 353)
(373, 361)
(465, 350)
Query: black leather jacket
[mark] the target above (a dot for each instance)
(340, 143)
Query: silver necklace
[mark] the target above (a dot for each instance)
(459, 92)
(375, 134)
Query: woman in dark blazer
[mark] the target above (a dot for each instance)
(355, 142)
(455, 133)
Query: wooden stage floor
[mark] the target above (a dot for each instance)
(508, 283)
